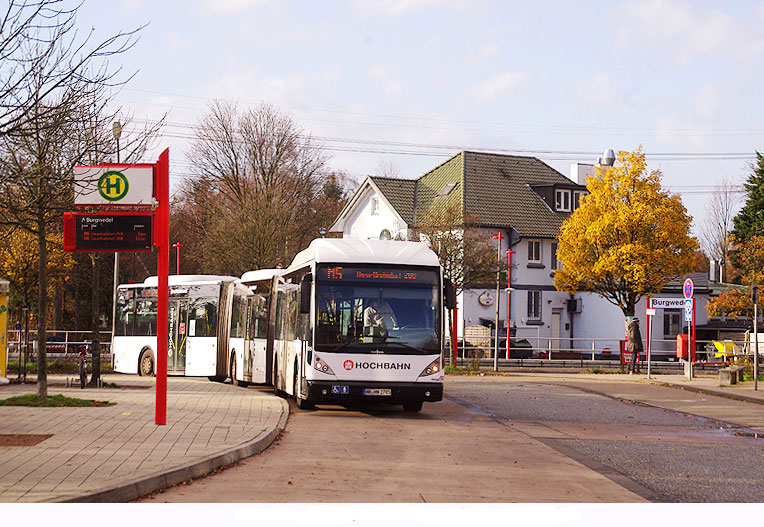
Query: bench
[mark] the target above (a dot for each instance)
(731, 375)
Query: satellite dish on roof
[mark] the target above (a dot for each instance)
(385, 235)
(608, 158)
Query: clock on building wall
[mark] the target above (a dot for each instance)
(486, 298)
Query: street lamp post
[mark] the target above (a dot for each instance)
(177, 245)
(498, 237)
(117, 132)
(510, 252)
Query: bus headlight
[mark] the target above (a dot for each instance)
(321, 366)
(432, 369)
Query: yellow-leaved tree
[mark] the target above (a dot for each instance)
(628, 238)
(19, 262)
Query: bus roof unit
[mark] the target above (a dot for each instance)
(175, 279)
(346, 250)
(256, 276)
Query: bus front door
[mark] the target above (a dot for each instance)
(176, 349)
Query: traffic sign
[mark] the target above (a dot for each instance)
(688, 288)
(688, 309)
(114, 185)
(108, 231)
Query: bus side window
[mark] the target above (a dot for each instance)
(145, 318)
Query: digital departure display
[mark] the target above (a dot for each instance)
(349, 273)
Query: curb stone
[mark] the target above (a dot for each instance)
(149, 484)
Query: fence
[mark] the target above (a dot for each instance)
(593, 351)
(60, 343)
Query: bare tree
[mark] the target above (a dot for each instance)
(388, 169)
(260, 191)
(465, 252)
(54, 100)
(717, 224)
(43, 58)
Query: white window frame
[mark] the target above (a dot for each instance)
(534, 304)
(562, 205)
(534, 258)
(555, 264)
(577, 198)
(375, 206)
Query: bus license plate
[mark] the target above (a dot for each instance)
(377, 391)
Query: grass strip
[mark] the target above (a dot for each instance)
(51, 401)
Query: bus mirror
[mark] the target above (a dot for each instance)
(450, 294)
(307, 280)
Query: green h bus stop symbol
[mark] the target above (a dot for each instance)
(113, 185)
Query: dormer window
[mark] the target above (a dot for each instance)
(374, 206)
(562, 201)
(577, 198)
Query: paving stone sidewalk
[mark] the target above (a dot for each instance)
(117, 453)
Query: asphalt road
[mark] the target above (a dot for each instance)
(677, 457)
(497, 439)
(446, 453)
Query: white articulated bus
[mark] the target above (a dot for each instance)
(360, 321)
(256, 355)
(208, 323)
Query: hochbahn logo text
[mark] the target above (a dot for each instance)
(349, 365)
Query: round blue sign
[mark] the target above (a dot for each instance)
(688, 288)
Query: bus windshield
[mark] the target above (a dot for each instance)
(373, 309)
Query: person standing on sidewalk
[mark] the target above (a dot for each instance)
(633, 343)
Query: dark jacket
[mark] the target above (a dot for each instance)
(634, 337)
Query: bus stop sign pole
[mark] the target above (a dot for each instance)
(162, 241)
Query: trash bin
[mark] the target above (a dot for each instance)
(682, 347)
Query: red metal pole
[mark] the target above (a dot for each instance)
(162, 240)
(454, 329)
(177, 246)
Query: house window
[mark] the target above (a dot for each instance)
(534, 251)
(577, 198)
(374, 206)
(563, 201)
(554, 265)
(534, 305)
(672, 323)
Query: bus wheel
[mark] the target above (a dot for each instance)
(412, 406)
(302, 404)
(146, 364)
(234, 380)
(276, 380)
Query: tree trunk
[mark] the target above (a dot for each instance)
(58, 305)
(95, 347)
(42, 308)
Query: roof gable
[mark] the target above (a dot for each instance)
(495, 189)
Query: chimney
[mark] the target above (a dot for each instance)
(713, 271)
(580, 171)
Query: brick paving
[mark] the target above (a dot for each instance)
(116, 453)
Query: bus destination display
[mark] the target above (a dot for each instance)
(344, 273)
(107, 231)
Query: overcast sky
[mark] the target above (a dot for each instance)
(412, 82)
